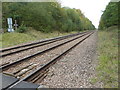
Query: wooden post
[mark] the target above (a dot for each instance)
(15, 24)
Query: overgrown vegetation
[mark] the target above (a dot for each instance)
(22, 29)
(46, 16)
(108, 58)
(108, 47)
(110, 16)
(15, 38)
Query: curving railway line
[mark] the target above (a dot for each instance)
(33, 67)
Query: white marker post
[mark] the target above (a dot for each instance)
(10, 29)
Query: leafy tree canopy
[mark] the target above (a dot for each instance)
(46, 16)
(110, 16)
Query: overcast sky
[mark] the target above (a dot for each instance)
(92, 9)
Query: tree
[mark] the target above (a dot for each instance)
(109, 16)
(46, 16)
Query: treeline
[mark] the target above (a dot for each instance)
(110, 16)
(46, 16)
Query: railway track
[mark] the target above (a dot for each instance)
(12, 54)
(33, 43)
(34, 68)
(41, 52)
(16, 49)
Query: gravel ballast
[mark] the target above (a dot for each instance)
(15, 57)
(76, 69)
(44, 58)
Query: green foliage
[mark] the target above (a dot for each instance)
(21, 29)
(15, 38)
(108, 58)
(46, 16)
(110, 16)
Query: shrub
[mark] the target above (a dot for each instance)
(22, 29)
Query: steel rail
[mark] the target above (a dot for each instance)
(41, 44)
(16, 47)
(34, 74)
(24, 49)
(38, 53)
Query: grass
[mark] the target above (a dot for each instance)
(11, 39)
(108, 58)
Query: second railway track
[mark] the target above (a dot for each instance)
(37, 42)
(20, 48)
(34, 68)
(20, 53)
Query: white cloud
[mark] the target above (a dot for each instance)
(92, 9)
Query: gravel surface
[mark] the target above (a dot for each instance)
(76, 69)
(42, 59)
(14, 57)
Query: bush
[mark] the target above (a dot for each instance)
(22, 29)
